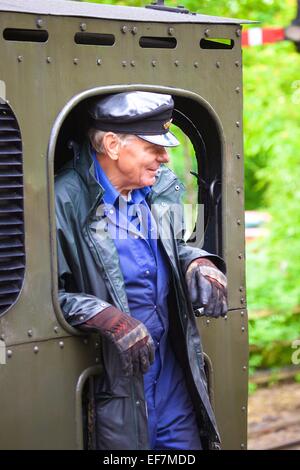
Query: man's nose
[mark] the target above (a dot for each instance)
(163, 156)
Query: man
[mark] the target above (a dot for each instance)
(119, 275)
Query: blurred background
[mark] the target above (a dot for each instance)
(272, 188)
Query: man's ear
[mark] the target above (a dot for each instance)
(111, 143)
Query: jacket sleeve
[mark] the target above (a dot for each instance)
(77, 307)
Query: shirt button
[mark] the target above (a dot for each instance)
(157, 343)
(136, 237)
(111, 211)
(147, 272)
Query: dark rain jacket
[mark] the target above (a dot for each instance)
(90, 279)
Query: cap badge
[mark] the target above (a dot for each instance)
(168, 124)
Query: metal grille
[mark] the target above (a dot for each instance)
(12, 250)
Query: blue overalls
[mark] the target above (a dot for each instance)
(171, 417)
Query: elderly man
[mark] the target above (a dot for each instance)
(119, 276)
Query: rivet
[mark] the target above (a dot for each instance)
(206, 33)
(237, 90)
(226, 317)
(238, 222)
(207, 322)
(75, 61)
(137, 403)
(243, 329)
(39, 23)
(36, 349)
(83, 26)
(124, 29)
(170, 31)
(29, 332)
(85, 341)
(237, 123)
(238, 156)
(124, 63)
(55, 329)
(238, 190)
(98, 61)
(9, 353)
(20, 58)
(237, 64)
(242, 446)
(242, 300)
(132, 63)
(238, 32)
(243, 408)
(153, 63)
(61, 344)
(196, 65)
(97, 360)
(244, 368)
(240, 256)
(218, 64)
(242, 313)
(48, 60)
(241, 288)
(176, 63)
(134, 30)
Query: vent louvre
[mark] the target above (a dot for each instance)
(12, 253)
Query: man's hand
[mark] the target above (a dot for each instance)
(207, 287)
(128, 335)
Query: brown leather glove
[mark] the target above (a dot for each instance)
(128, 335)
(207, 287)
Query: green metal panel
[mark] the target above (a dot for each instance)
(39, 80)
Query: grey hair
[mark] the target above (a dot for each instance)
(96, 139)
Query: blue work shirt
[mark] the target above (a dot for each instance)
(146, 273)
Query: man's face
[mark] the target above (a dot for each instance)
(139, 161)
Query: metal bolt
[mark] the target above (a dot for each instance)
(218, 64)
(243, 408)
(237, 90)
(134, 30)
(20, 58)
(98, 61)
(132, 63)
(238, 156)
(48, 60)
(207, 322)
(242, 313)
(29, 332)
(244, 368)
(9, 353)
(242, 300)
(237, 64)
(124, 29)
(237, 123)
(39, 23)
(176, 63)
(238, 190)
(153, 63)
(238, 32)
(206, 33)
(238, 222)
(83, 26)
(241, 288)
(170, 31)
(55, 329)
(243, 329)
(225, 318)
(36, 349)
(75, 61)
(61, 344)
(124, 63)
(196, 65)
(240, 256)
(242, 446)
